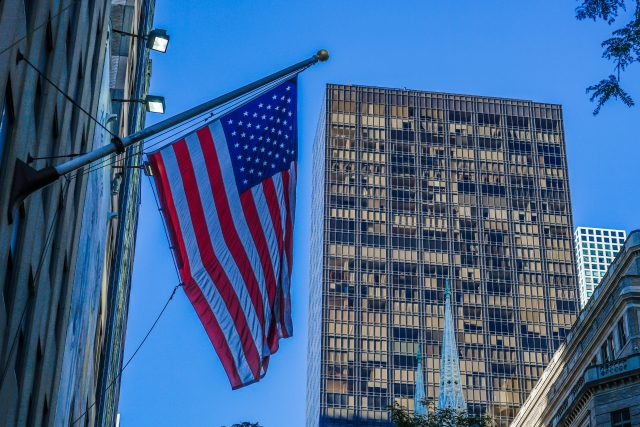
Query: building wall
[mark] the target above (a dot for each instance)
(418, 187)
(597, 369)
(69, 347)
(595, 249)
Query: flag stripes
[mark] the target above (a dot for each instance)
(234, 250)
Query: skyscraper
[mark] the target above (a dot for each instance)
(413, 187)
(595, 249)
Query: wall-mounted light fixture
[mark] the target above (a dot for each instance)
(154, 104)
(157, 39)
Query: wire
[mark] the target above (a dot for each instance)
(181, 128)
(35, 281)
(38, 27)
(166, 230)
(130, 359)
(21, 57)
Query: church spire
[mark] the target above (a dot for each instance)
(450, 384)
(418, 406)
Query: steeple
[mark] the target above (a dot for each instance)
(450, 384)
(418, 407)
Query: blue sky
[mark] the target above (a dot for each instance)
(532, 50)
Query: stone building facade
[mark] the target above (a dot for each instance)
(66, 253)
(594, 378)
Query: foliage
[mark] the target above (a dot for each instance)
(623, 48)
(247, 424)
(435, 417)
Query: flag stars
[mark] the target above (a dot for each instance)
(289, 100)
(288, 88)
(230, 121)
(251, 137)
(236, 145)
(275, 97)
(245, 113)
(255, 114)
(255, 148)
(243, 134)
(233, 133)
(264, 116)
(259, 173)
(246, 146)
(272, 165)
(262, 150)
(269, 107)
(250, 170)
(248, 125)
(260, 105)
(240, 123)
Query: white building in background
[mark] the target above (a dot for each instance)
(595, 250)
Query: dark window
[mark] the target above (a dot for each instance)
(45, 413)
(621, 418)
(6, 118)
(622, 337)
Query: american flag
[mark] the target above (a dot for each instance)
(228, 193)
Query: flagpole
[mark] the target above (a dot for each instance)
(27, 180)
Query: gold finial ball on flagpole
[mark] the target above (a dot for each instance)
(322, 55)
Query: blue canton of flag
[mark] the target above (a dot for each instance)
(263, 135)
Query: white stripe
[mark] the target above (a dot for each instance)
(237, 213)
(293, 171)
(277, 182)
(198, 272)
(267, 228)
(220, 248)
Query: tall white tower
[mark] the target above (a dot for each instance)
(596, 248)
(450, 384)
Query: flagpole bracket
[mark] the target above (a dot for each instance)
(26, 180)
(117, 142)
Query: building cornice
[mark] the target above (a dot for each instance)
(583, 338)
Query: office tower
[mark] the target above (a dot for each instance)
(595, 249)
(411, 188)
(66, 254)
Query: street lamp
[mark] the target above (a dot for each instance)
(154, 104)
(157, 39)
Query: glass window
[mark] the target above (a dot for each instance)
(622, 337)
(620, 234)
(591, 239)
(598, 233)
(583, 231)
(606, 233)
(590, 231)
(621, 418)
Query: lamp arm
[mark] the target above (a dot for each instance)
(129, 34)
(26, 179)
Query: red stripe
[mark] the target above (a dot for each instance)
(271, 197)
(209, 259)
(159, 173)
(288, 247)
(190, 287)
(229, 231)
(255, 226)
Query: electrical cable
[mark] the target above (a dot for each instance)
(21, 57)
(35, 281)
(166, 230)
(179, 129)
(39, 27)
(131, 358)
